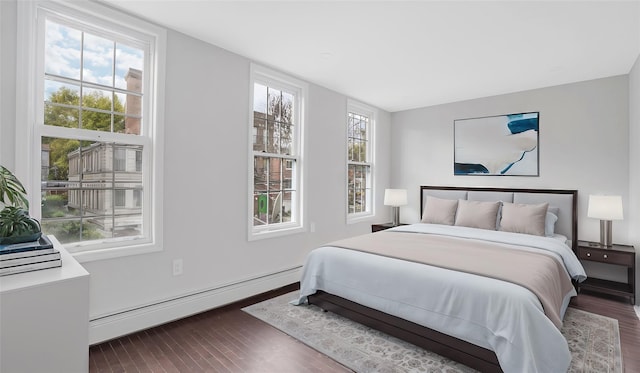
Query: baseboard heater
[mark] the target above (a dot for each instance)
(114, 325)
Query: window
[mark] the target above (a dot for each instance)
(360, 120)
(275, 152)
(96, 127)
(120, 197)
(139, 161)
(137, 198)
(119, 159)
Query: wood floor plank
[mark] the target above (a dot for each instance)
(111, 358)
(151, 364)
(213, 355)
(132, 351)
(126, 362)
(97, 361)
(228, 340)
(191, 352)
(154, 344)
(219, 348)
(177, 356)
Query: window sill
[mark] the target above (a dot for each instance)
(263, 234)
(360, 218)
(116, 252)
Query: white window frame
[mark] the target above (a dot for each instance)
(370, 112)
(271, 78)
(30, 91)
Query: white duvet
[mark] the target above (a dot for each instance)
(490, 313)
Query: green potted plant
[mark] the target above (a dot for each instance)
(15, 223)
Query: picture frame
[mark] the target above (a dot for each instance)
(500, 145)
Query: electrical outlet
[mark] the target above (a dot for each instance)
(312, 227)
(177, 267)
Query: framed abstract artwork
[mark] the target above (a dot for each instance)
(500, 145)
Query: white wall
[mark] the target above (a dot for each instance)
(633, 212)
(205, 187)
(7, 81)
(584, 145)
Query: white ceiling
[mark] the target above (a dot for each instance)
(399, 55)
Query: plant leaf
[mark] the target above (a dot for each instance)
(12, 192)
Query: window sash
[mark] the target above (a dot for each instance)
(274, 190)
(359, 189)
(95, 188)
(83, 83)
(359, 127)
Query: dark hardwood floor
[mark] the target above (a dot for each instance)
(227, 339)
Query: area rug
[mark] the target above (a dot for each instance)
(594, 340)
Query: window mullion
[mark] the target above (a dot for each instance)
(62, 79)
(89, 135)
(113, 84)
(81, 87)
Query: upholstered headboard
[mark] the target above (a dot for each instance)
(565, 200)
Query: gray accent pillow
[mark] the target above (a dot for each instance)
(439, 211)
(477, 214)
(550, 224)
(524, 218)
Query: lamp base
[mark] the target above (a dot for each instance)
(395, 216)
(605, 233)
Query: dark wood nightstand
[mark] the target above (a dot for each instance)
(622, 255)
(381, 227)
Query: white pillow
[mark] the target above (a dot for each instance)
(550, 224)
(439, 211)
(477, 214)
(524, 218)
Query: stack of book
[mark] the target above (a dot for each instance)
(28, 256)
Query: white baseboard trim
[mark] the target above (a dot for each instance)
(637, 308)
(116, 325)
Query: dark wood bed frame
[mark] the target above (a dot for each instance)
(456, 349)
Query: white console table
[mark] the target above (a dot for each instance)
(44, 319)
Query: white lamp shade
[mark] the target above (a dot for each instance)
(395, 197)
(605, 207)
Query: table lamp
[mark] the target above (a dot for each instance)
(605, 208)
(395, 198)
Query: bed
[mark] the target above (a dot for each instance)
(481, 319)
